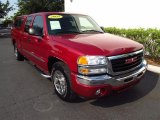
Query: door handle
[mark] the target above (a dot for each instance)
(29, 40)
(38, 39)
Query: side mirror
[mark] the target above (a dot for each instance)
(35, 32)
(31, 31)
(103, 29)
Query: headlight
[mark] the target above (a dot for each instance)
(91, 65)
(92, 60)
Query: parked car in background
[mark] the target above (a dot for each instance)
(77, 55)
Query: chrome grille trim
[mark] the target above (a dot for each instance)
(124, 55)
(118, 57)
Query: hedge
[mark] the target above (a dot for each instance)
(150, 38)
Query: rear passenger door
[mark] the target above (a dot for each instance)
(17, 31)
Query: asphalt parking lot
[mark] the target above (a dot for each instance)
(26, 95)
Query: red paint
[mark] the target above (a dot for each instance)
(68, 47)
(89, 91)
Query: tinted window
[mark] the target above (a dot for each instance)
(69, 24)
(28, 23)
(61, 24)
(38, 25)
(18, 22)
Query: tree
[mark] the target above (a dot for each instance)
(5, 8)
(34, 6)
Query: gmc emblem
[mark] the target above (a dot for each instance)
(131, 60)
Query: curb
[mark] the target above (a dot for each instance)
(154, 69)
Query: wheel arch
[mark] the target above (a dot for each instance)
(52, 60)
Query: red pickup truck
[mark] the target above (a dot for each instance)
(77, 55)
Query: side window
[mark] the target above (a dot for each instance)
(38, 25)
(28, 23)
(18, 22)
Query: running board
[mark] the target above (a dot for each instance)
(45, 76)
(42, 73)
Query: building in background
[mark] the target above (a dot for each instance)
(118, 13)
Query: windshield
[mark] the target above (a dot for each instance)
(67, 24)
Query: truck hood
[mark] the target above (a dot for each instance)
(98, 44)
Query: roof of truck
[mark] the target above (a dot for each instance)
(45, 13)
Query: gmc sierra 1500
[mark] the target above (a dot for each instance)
(77, 55)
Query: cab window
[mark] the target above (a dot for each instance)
(28, 23)
(18, 22)
(38, 25)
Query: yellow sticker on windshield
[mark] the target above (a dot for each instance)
(55, 16)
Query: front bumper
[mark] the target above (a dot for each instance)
(95, 86)
(113, 80)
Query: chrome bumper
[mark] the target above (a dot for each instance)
(113, 80)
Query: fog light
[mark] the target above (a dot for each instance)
(84, 71)
(98, 92)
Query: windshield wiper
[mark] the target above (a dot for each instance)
(92, 31)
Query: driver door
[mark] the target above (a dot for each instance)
(38, 43)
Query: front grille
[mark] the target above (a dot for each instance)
(126, 62)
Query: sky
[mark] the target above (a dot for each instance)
(12, 2)
(119, 13)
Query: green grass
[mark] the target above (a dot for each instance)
(150, 38)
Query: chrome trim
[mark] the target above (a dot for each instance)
(123, 72)
(95, 80)
(16, 51)
(60, 83)
(93, 67)
(122, 56)
(45, 76)
(134, 74)
(33, 55)
(102, 65)
(113, 80)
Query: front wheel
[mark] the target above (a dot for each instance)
(61, 79)
(18, 55)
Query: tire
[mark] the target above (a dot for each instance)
(18, 55)
(60, 77)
